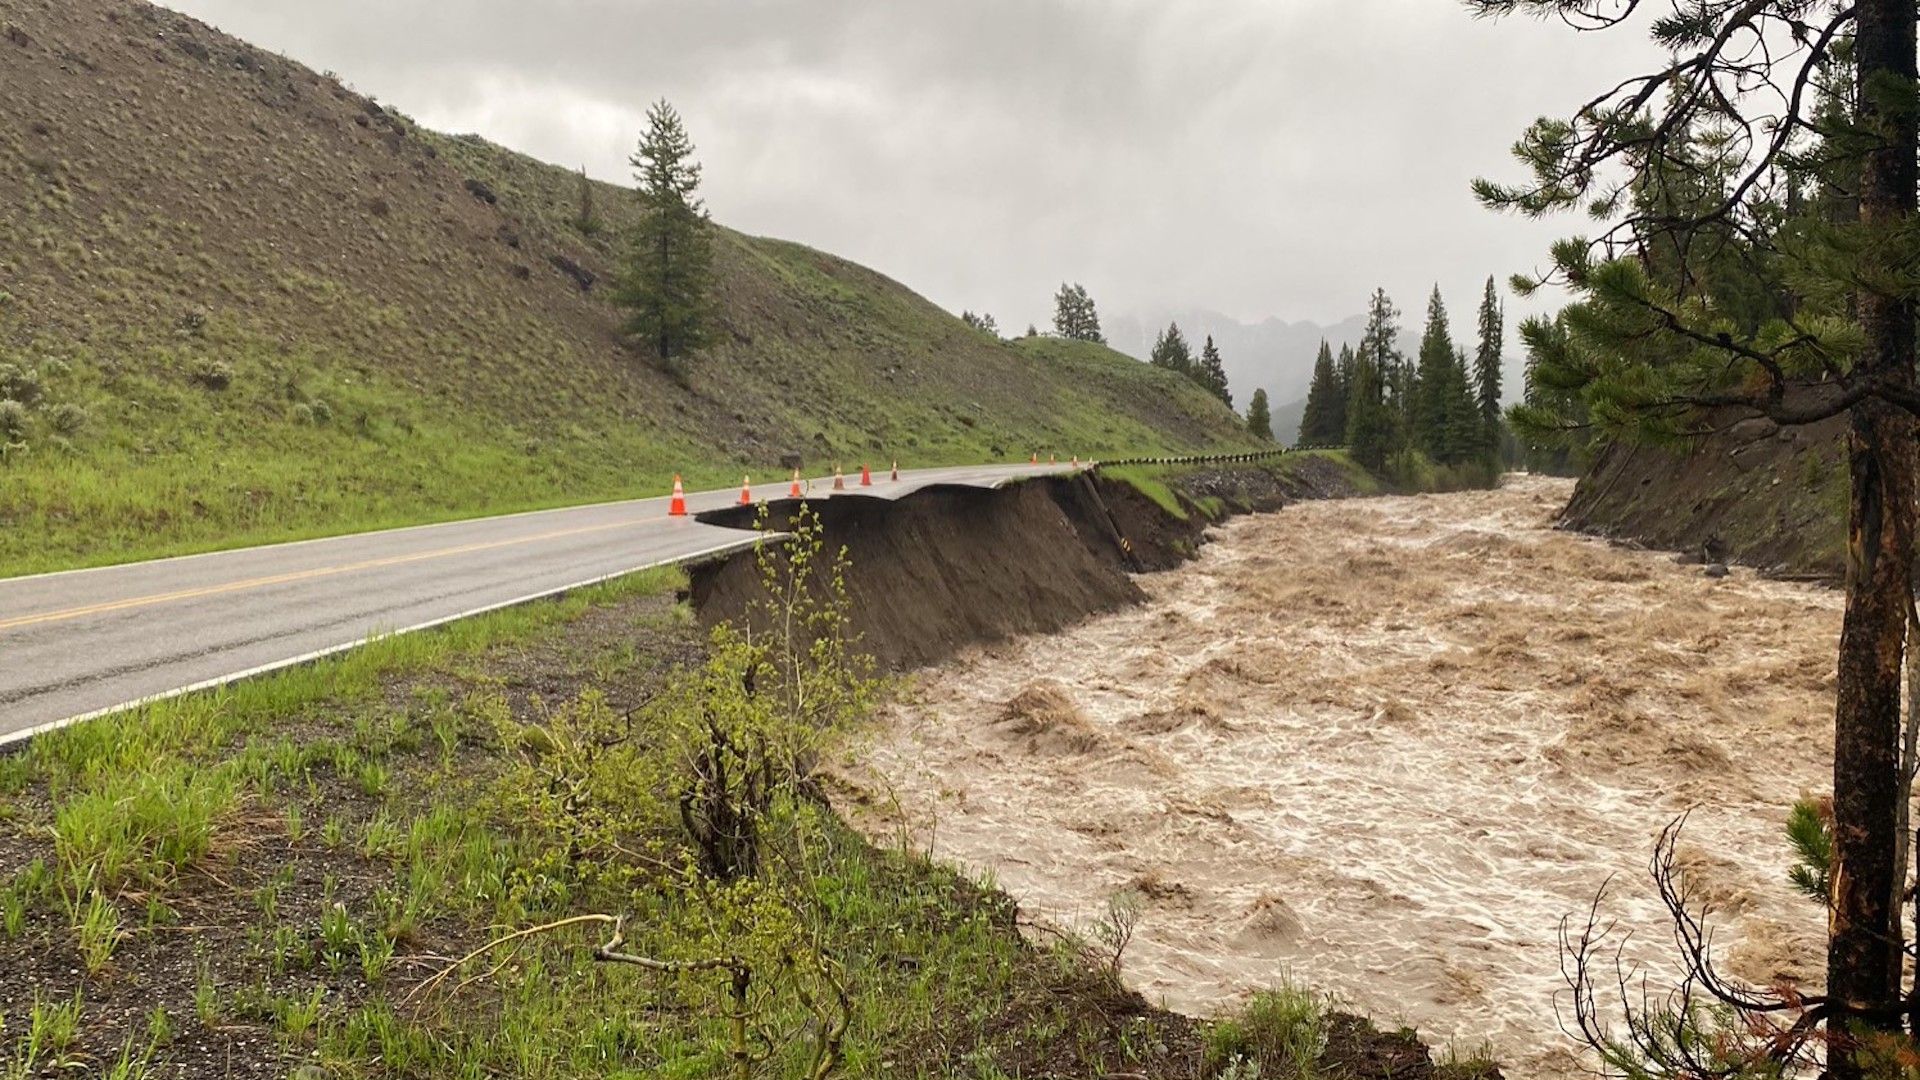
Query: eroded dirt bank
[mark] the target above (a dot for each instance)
(1759, 494)
(949, 568)
(1384, 746)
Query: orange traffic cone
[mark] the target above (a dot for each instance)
(794, 492)
(839, 482)
(1053, 458)
(746, 493)
(678, 507)
(896, 471)
(1035, 459)
(866, 476)
(1076, 461)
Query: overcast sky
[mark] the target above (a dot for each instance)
(1254, 157)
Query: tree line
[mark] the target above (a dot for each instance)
(1379, 403)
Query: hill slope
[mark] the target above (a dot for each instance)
(243, 304)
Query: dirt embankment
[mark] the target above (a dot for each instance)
(1753, 493)
(951, 567)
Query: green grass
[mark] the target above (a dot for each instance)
(1278, 1035)
(1159, 483)
(126, 747)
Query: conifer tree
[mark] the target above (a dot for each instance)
(982, 322)
(1171, 351)
(1370, 419)
(1211, 373)
(1463, 430)
(1324, 422)
(584, 219)
(1259, 417)
(1379, 403)
(668, 280)
(1434, 383)
(1074, 316)
(1486, 364)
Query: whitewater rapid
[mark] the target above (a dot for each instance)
(1381, 747)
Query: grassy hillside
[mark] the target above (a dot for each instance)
(241, 303)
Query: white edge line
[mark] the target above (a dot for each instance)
(727, 548)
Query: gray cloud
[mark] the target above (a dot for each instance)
(1254, 157)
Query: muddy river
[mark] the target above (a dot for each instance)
(1381, 747)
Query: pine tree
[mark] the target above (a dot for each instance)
(1324, 422)
(1433, 383)
(1463, 430)
(1211, 373)
(1370, 419)
(1259, 418)
(584, 219)
(1382, 386)
(1074, 316)
(982, 322)
(1171, 351)
(1486, 364)
(668, 276)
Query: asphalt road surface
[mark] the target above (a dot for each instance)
(80, 643)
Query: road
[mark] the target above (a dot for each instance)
(79, 643)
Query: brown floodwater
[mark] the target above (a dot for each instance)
(1381, 747)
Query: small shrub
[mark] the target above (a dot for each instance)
(21, 384)
(67, 418)
(213, 374)
(302, 413)
(322, 412)
(53, 367)
(1280, 1032)
(13, 419)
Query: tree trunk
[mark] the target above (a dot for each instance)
(1864, 931)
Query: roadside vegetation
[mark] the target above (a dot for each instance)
(1172, 487)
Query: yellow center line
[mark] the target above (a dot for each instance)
(282, 579)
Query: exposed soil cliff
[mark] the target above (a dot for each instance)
(1754, 493)
(952, 567)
